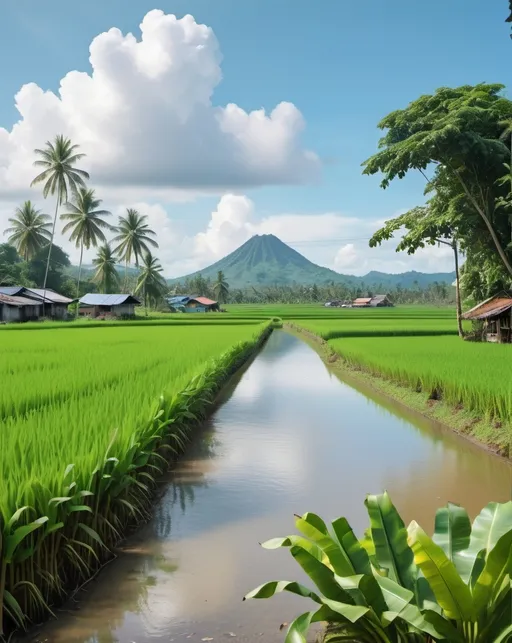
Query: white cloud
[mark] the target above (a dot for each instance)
(145, 118)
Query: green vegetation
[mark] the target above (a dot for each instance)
(88, 421)
(474, 375)
(399, 584)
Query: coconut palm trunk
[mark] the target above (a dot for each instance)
(49, 256)
(79, 277)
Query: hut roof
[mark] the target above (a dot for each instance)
(97, 299)
(205, 301)
(19, 302)
(10, 290)
(490, 307)
(380, 298)
(362, 300)
(51, 297)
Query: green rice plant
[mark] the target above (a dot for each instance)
(477, 376)
(399, 584)
(83, 442)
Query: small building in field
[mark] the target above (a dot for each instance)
(53, 304)
(496, 315)
(117, 305)
(362, 302)
(19, 309)
(192, 304)
(381, 301)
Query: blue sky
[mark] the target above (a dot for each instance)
(344, 64)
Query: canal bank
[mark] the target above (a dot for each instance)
(288, 437)
(493, 436)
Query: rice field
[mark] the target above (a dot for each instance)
(475, 375)
(87, 419)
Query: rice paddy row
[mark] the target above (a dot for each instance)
(477, 376)
(88, 419)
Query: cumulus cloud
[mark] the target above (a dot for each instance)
(145, 118)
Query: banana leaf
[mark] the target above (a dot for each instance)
(452, 533)
(356, 553)
(390, 538)
(497, 566)
(321, 575)
(452, 594)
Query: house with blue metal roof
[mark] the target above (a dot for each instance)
(116, 305)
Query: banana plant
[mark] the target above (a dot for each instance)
(399, 585)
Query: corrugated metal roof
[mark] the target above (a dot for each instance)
(205, 301)
(362, 300)
(52, 297)
(379, 297)
(178, 299)
(10, 290)
(489, 308)
(18, 301)
(97, 299)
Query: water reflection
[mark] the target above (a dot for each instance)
(289, 437)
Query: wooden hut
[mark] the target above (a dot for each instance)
(496, 315)
(19, 309)
(55, 305)
(362, 302)
(117, 305)
(381, 301)
(192, 304)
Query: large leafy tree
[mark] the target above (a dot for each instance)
(30, 230)
(60, 178)
(38, 267)
(150, 283)
(106, 275)
(85, 223)
(457, 135)
(134, 236)
(221, 288)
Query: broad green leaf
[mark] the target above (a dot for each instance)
(390, 539)
(276, 587)
(322, 576)
(489, 526)
(356, 553)
(497, 566)
(505, 636)
(299, 628)
(450, 591)
(396, 596)
(445, 628)
(308, 525)
(351, 612)
(292, 541)
(452, 533)
(364, 590)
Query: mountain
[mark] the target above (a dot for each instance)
(265, 260)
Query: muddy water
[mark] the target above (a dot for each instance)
(288, 438)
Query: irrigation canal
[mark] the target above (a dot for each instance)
(289, 437)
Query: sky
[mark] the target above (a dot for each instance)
(220, 119)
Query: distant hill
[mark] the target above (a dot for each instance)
(265, 260)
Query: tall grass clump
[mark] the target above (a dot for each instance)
(88, 422)
(476, 376)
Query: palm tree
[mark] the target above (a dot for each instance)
(86, 225)
(60, 177)
(106, 274)
(30, 230)
(150, 280)
(221, 288)
(133, 237)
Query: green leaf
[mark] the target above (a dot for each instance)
(351, 612)
(450, 591)
(18, 536)
(292, 541)
(276, 587)
(452, 533)
(356, 553)
(390, 538)
(320, 574)
(497, 566)
(313, 527)
(93, 534)
(488, 527)
(14, 607)
(299, 628)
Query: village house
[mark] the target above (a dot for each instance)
(192, 304)
(495, 314)
(117, 305)
(52, 304)
(377, 301)
(18, 309)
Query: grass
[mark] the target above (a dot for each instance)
(87, 422)
(476, 376)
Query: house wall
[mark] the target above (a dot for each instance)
(57, 311)
(10, 313)
(123, 309)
